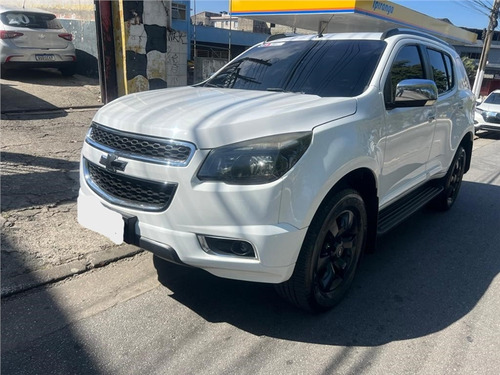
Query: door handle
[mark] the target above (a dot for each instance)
(431, 118)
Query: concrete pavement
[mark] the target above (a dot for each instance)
(44, 121)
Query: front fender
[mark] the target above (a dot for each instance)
(336, 150)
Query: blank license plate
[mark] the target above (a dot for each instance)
(45, 57)
(93, 215)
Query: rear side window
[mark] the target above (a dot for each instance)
(31, 20)
(442, 70)
(325, 68)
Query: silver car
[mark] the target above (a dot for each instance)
(33, 38)
(487, 116)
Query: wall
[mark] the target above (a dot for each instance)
(206, 66)
(152, 55)
(154, 52)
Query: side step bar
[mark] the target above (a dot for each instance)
(394, 214)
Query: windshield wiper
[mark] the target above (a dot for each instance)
(255, 60)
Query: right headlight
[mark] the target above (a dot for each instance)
(257, 161)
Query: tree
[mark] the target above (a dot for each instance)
(470, 67)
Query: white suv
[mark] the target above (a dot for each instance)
(284, 166)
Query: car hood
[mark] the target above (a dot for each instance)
(489, 107)
(211, 117)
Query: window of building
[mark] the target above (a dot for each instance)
(178, 11)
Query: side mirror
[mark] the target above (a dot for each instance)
(414, 93)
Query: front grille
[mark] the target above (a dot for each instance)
(128, 191)
(136, 146)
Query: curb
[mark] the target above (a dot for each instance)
(22, 283)
(45, 110)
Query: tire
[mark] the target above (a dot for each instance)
(452, 182)
(329, 255)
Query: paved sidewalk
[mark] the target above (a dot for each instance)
(42, 135)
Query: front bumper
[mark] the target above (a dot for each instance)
(482, 123)
(248, 213)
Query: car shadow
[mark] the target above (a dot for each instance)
(44, 181)
(426, 274)
(45, 94)
(48, 77)
(16, 102)
(487, 134)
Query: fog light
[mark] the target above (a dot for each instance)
(226, 246)
(242, 248)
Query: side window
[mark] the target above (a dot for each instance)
(442, 70)
(406, 65)
(449, 70)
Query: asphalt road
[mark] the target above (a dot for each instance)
(427, 302)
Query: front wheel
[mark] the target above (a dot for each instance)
(330, 254)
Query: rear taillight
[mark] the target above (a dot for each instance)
(4, 34)
(67, 36)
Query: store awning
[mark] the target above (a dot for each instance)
(331, 16)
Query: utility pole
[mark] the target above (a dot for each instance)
(476, 89)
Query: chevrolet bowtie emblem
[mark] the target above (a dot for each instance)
(112, 164)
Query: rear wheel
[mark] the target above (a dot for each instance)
(453, 181)
(330, 254)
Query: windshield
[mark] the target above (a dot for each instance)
(493, 99)
(326, 67)
(31, 20)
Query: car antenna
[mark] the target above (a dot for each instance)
(323, 25)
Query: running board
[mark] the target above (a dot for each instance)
(394, 214)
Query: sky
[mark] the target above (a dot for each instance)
(460, 12)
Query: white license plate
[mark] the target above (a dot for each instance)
(45, 57)
(94, 216)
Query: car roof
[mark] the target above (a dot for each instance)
(336, 36)
(4, 9)
(395, 32)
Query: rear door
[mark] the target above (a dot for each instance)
(454, 109)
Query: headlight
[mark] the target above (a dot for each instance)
(479, 110)
(257, 161)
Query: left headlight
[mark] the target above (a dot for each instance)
(257, 161)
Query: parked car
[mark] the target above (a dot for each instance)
(487, 116)
(33, 38)
(284, 165)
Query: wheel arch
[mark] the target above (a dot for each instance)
(362, 180)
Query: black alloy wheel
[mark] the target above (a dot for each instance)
(330, 254)
(338, 255)
(453, 181)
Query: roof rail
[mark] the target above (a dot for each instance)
(281, 36)
(400, 31)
